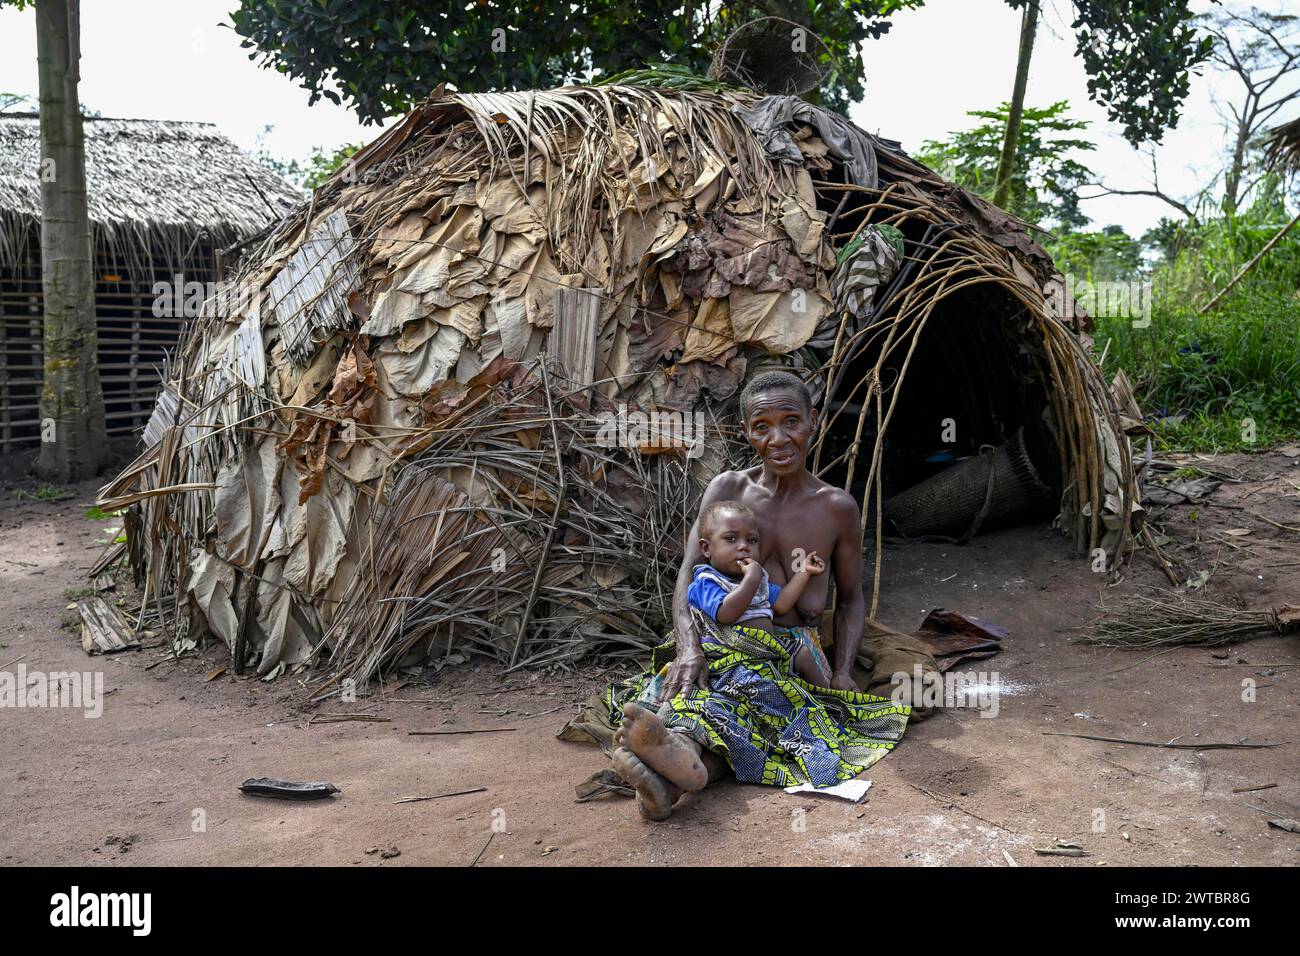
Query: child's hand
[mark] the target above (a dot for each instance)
(813, 564)
(750, 567)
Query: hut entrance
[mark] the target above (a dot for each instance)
(969, 399)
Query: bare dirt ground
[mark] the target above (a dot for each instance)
(171, 748)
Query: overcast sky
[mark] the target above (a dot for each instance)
(171, 59)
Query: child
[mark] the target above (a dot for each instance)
(733, 588)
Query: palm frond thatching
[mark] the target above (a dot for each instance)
(667, 76)
(1282, 147)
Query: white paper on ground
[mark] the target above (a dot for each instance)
(851, 790)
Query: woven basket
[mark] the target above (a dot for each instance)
(958, 502)
(760, 55)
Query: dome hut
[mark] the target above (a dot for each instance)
(465, 399)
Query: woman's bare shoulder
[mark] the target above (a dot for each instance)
(728, 484)
(839, 501)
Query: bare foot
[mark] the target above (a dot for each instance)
(674, 756)
(655, 796)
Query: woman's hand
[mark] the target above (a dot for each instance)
(689, 669)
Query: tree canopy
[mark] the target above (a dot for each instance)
(1138, 55)
(382, 57)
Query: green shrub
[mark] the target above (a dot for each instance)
(1235, 366)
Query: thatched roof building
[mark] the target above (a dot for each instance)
(466, 398)
(164, 199)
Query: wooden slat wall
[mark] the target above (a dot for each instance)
(133, 341)
(572, 339)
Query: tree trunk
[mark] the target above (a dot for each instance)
(1007, 161)
(1232, 179)
(73, 440)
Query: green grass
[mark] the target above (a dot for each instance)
(1232, 367)
(96, 513)
(1223, 371)
(45, 493)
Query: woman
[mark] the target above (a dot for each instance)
(721, 699)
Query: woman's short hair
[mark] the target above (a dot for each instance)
(774, 380)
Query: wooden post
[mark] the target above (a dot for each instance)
(6, 416)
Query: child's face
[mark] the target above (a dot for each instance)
(734, 536)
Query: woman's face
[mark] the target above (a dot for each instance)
(779, 427)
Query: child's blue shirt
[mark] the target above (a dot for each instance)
(709, 587)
